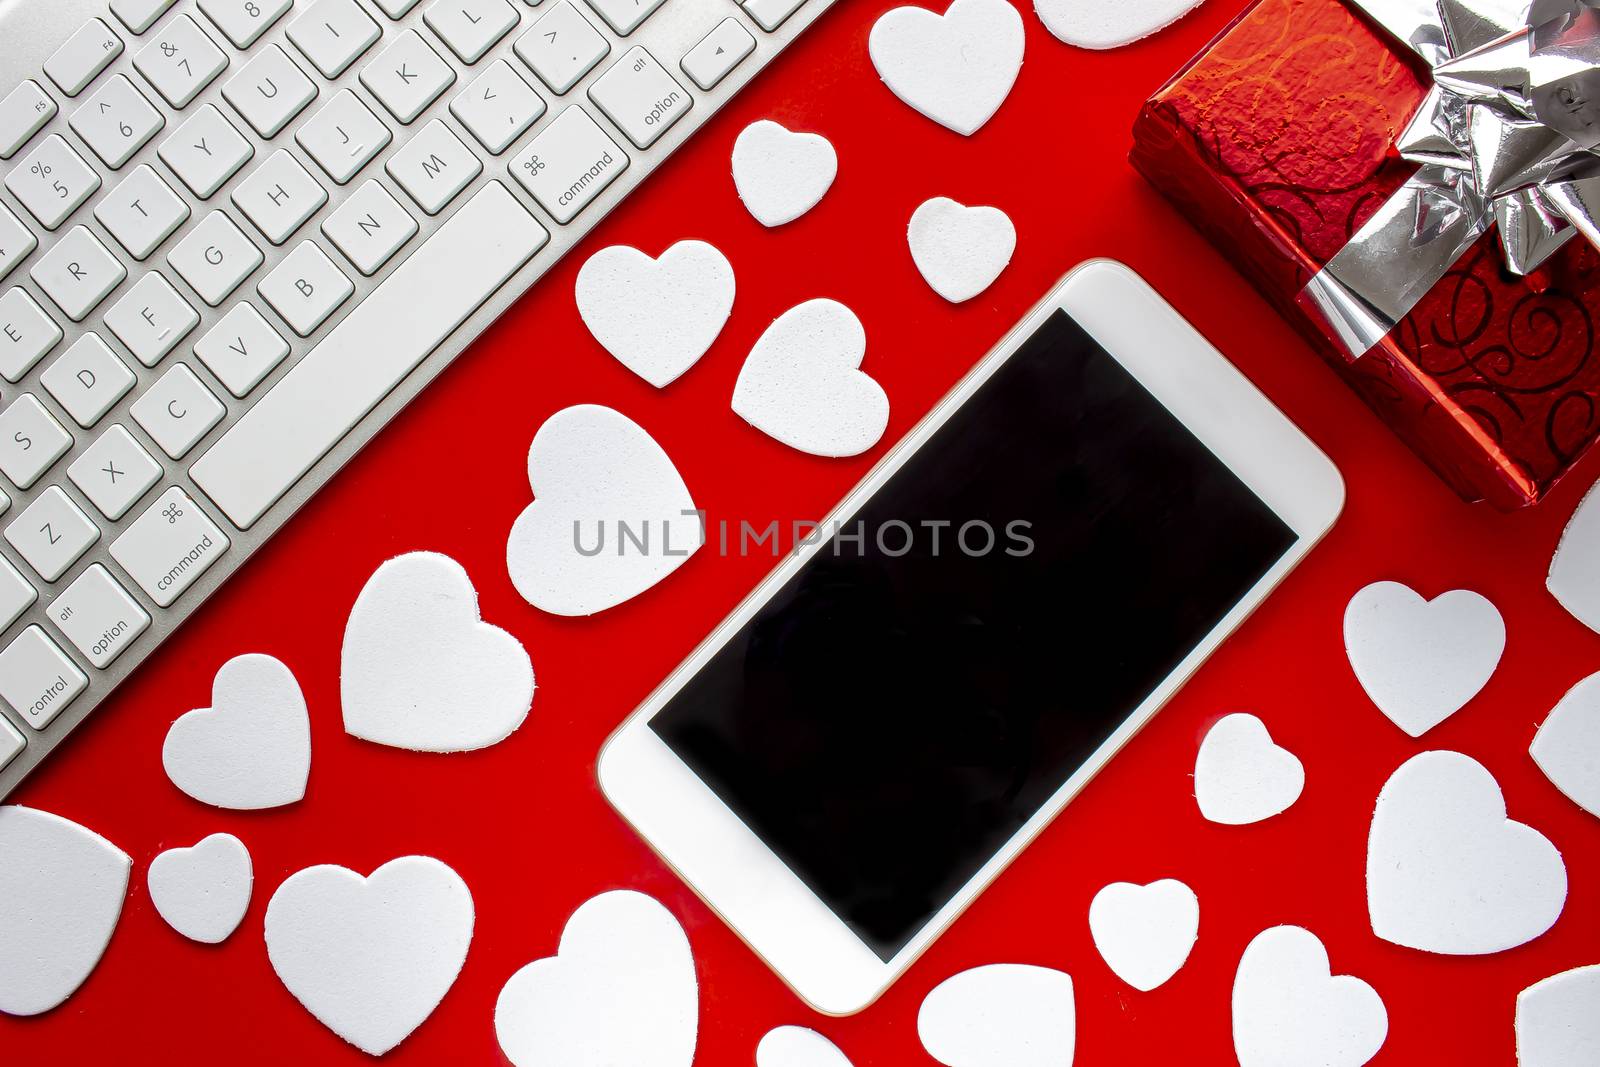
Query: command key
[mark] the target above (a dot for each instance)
(169, 546)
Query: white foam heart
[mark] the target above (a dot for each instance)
(1574, 578)
(1288, 1007)
(779, 174)
(1096, 24)
(796, 1046)
(1558, 1020)
(1241, 775)
(1000, 1015)
(1421, 660)
(657, 316)
(421, 670)
(370, 957)
(1448, 872)
(610, 517)
(956, 68)
(802, 383)
(251, 748)
(1145, 932)
(61, 892)
(1567, 746)
(203, 891)
(960, 250)
(621, 989)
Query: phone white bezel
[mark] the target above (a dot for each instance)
(734, 872)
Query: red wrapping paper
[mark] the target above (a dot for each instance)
(1278, 141)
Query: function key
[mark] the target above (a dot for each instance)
(83, 57)
(23, 113)
(140, 15)
(37, 679)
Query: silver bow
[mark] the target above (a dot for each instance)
(1509, 135)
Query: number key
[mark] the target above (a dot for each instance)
(51, 181)
(244, 20)
(180, 61)
(116, 121)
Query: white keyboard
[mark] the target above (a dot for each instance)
(238, 236)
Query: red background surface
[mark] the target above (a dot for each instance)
(524, 822)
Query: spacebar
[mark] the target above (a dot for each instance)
(364, 357)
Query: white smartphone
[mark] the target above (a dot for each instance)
(889, 719)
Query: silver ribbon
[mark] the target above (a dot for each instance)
(1508, 136)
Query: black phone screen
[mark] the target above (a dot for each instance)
(904, 704)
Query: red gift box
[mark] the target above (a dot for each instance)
(1278, 141)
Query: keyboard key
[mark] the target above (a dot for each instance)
(26, 334)
(433, 167)
(11, 743)
(396, 8)
(344, 136)
(562, 47)
(52, 181)
(370, 227)
(770, 14)
(37, 679)
(177, 411)
(52, 533)
(78, 273)
(242, 21)
(469, 28)
(624, 16)
(30, 440)
(382, 340)
(497, 107)
(114, 472)
(241, 349)
(305, 288)
(724, 48)
(116, 121)
(640, 96)
(333, 34)
(142, 211)
(86, 53)
(206, 151)
(16, 241)
(279, 196)
(407, 76)
(169, 546)
(98, 616)
(568, 164)
(140, 15)
(151, 318)
(269, 91)
(215, 257)
(180, 61)
(23, 113)
(87, 379)
(16, 593)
